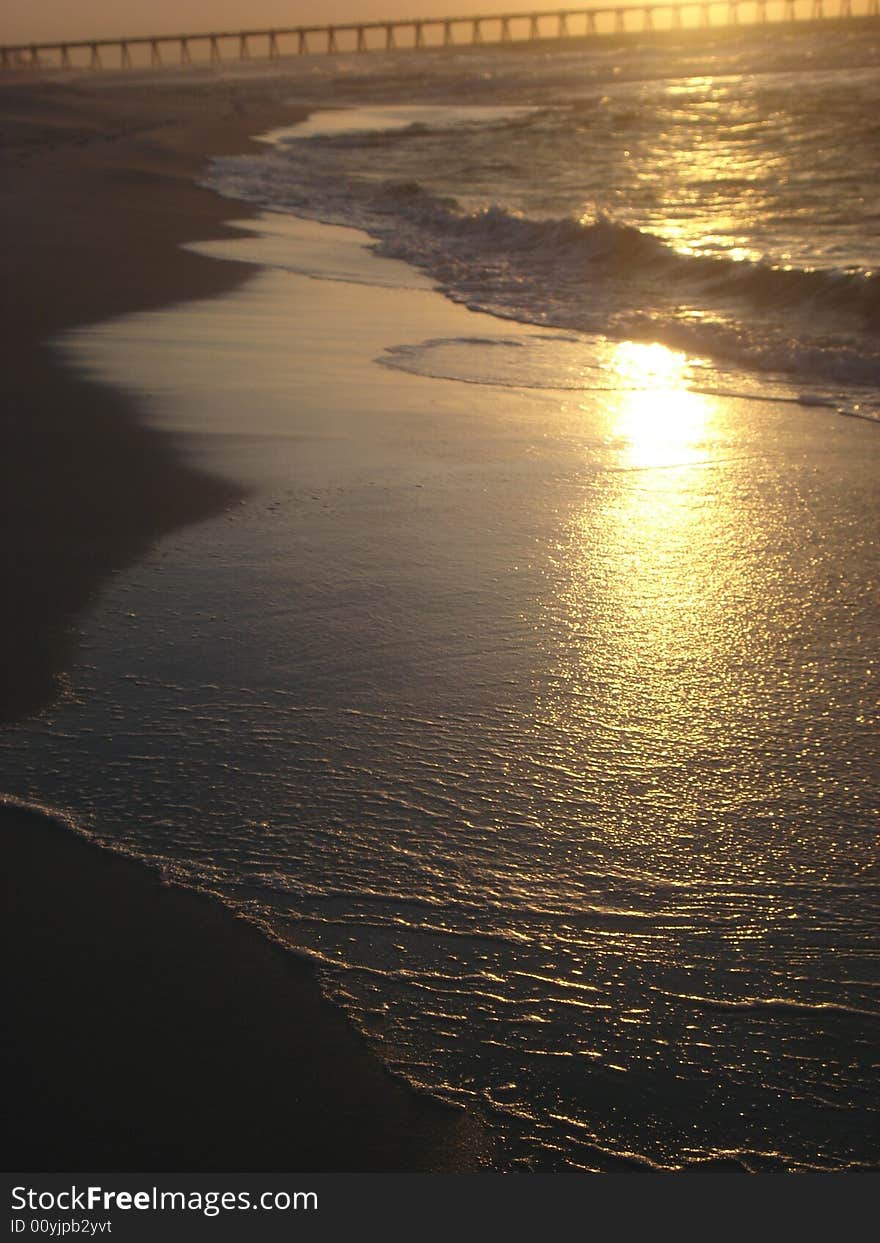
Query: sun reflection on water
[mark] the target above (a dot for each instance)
(637, 617)
(659, 419)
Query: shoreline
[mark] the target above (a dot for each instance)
(155, 1031)
(206, 1019)
(101, 195)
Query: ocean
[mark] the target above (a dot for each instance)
(532, 692)
(701, 194)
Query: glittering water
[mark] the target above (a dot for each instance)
(719, 197)
(533, 691)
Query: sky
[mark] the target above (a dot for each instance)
(23, 20)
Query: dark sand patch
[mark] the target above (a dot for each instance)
(152, 1030)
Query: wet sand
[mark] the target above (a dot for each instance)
(98, 193)
(151, 1029)
(154, 1031)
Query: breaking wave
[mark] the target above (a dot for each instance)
(594, 274)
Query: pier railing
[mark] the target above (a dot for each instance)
(213, 47)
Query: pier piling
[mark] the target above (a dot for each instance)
(475, 29)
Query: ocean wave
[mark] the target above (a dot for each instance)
(611, 247)
(595, 275)
(605, 276)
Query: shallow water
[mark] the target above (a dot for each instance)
(541, 718)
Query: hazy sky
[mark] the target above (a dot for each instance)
(23, 20)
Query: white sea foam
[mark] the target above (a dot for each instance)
(562, 211)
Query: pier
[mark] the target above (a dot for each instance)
(215, 47)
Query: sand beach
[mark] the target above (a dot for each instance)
(150, 1029)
